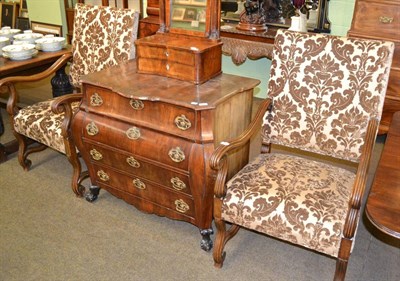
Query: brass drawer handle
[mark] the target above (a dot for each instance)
(384, 19)
(177, 183)
(136, 104)
(139, 184)
(181, 206)
(103, 175)
(96, 155)
(96, 100)
(133, 133)
(176, 154)
(133, 162)
(182, 122)
(167, 66)
(92, 129)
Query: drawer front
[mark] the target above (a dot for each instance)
(178, 202)
(377, 18)
(138, 166)
(161, 116)
(138, 140)
(165, 53)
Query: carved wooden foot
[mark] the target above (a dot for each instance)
(92, 194)
(206, 243)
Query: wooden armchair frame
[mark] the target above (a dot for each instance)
(325, 100)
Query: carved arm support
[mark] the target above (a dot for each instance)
(9, 82)
(218, 158)
(360, 181)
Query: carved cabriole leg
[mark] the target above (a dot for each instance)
(222, 236)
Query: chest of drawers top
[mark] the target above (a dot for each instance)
(129, 84)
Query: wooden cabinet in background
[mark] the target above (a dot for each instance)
(380, 19)
(147, 139)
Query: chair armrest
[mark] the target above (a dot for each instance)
(358, 191)
(242, 139)
(63, 104)
(218, 160)
(39, 76)
(58, 105)
(10, 81)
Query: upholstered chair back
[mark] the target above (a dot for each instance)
(324, 90)
(103, 37)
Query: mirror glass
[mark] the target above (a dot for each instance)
(279, 12)
(189, 14)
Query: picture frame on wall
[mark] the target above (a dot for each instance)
(8, 14)
(22, 23)
(46, 28)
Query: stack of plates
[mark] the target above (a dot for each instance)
(19, 52)
(50, 44)
(9, 32)
(28, 37)
(4, 41)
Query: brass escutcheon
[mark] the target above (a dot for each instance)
(96, 155)
(182, 122)
(384, 19)
(176, 154)
(92, 129)
(177, 183)
(139, 184)
(136, 104)
(96, 100)
(133, 133)
(103, 175)
(133, 162)
(181, 206)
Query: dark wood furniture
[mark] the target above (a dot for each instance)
(380, 19)
(383, 204)
(147, 139)
(43, 60)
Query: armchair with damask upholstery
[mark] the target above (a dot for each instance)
(103, 37)
(325, 98)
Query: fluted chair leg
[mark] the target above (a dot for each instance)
(341, 267)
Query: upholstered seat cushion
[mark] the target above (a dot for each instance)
(39, 123)
(295, 199)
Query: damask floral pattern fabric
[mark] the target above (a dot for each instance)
(298, 200)
(324, 91)
(38, 122)
(103, 37)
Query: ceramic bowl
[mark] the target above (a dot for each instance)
(28, 36)
(19, 52)
(4, 41)
(9, 32)
(50, 44)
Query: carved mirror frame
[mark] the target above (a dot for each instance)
(279, 12)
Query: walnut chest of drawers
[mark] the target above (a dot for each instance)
(380, 19)
(147, 139)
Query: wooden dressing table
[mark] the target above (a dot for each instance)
(147, 139)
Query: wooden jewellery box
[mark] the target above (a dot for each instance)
(187, 45)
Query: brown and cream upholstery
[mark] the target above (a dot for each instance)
(325, 97)
(103, 37)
